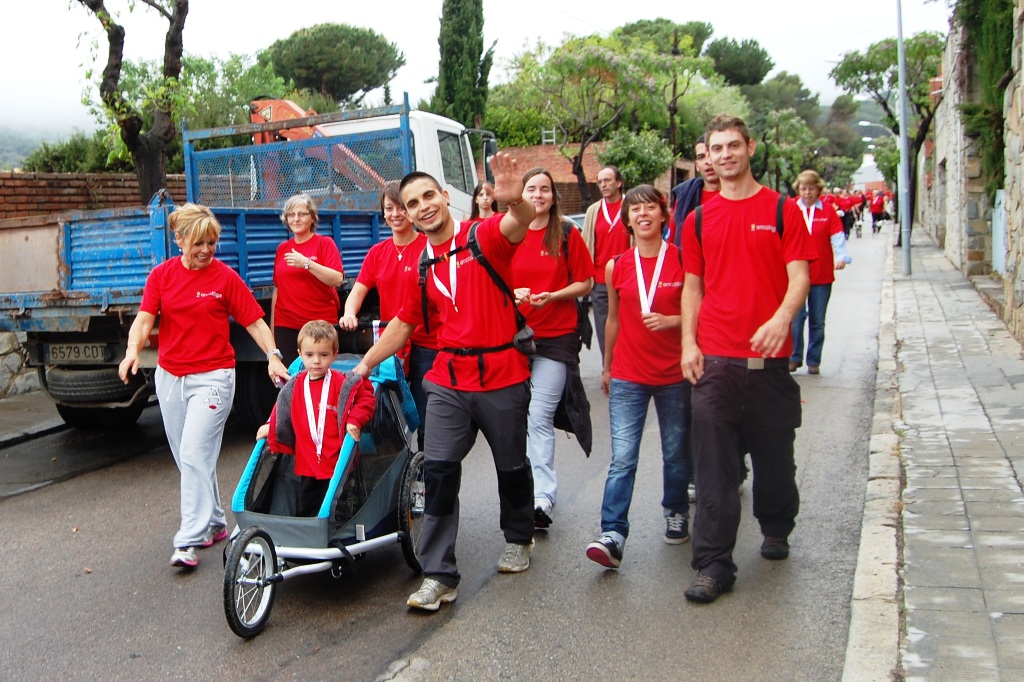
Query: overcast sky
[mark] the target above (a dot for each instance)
(44, 43)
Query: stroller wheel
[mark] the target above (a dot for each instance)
(248, 595)
(411, 507)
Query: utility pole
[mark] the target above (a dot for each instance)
(904, 169)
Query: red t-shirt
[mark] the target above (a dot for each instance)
(481, 317)
(878, 204)
(392, 271)
(610, 237)
(533, 267)
(301, 297)
(193, 307)
(359, 411)
(826, 224)
(640, 355)
(742, 260)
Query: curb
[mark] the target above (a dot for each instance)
(872, 649)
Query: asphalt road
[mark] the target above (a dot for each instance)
(87, 592)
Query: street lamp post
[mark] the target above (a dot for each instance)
(904, 169)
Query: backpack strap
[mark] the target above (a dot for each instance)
(478, 255)
(779, 223)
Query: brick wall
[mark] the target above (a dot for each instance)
(1013, 137)
(31, 194)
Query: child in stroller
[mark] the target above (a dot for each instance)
(300, 427)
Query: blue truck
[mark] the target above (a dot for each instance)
(75, 304)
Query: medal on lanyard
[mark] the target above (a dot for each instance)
(808, 212)
(451, 271)
(316, 428)
(647, 293)
(607, 218)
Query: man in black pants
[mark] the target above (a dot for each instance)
(479, 381)
(744, 283)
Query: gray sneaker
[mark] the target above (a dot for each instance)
(516, 558)
(431, 595)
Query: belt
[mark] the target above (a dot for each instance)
(750, 363)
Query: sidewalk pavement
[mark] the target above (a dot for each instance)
(945, 552)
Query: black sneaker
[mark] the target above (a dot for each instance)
(775, 549)
(705, 590)
(676, 531)
(605, 551)
(541, 519)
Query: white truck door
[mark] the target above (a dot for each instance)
(458, 170)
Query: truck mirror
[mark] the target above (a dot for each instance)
(490, 149)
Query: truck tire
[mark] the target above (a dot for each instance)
(254, 394)
(93, 385)
(100, 418)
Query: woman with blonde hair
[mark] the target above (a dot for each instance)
(194, 296)
(307, 274)
(826, 230)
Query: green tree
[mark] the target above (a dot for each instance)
(641, 157)
(516, 126)
(784, 90)
(793, 147)
(660, 34)
(341, 61)
(887, 159)
(462, 77)
(146, 144)
(745, 63)
(587, 84)
(874, 72)
(211, 92)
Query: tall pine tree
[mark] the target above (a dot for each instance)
(462, 79)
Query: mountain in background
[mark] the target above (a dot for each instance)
(15, 145)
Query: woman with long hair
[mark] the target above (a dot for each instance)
(307, 274)
(484, 205)
(551, 269)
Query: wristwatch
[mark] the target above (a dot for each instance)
(273, 353)
(306, 266)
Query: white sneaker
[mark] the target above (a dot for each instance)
(431, 595)
(185, 557)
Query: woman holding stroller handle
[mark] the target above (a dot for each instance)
(551, 269)
(194, 296)
(829, 239)
(307, 274)
(390, 267)
(641, 361)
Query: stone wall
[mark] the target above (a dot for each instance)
(32, 194)
(955, 209)
(15, 377)
(1013, 137)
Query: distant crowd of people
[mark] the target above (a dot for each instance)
(700, 303)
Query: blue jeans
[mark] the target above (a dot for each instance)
(627, 407)
(814, 308)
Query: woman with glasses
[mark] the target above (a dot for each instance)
(307, 274)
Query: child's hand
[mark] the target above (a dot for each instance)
(353, 431)
(262, 431)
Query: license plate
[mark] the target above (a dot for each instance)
(74, 353)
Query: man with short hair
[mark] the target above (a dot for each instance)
(694, 192)
(479, 380)
(746, 278)
(606, 237)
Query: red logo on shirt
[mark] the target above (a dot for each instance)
(214, 294)
(754, 227)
